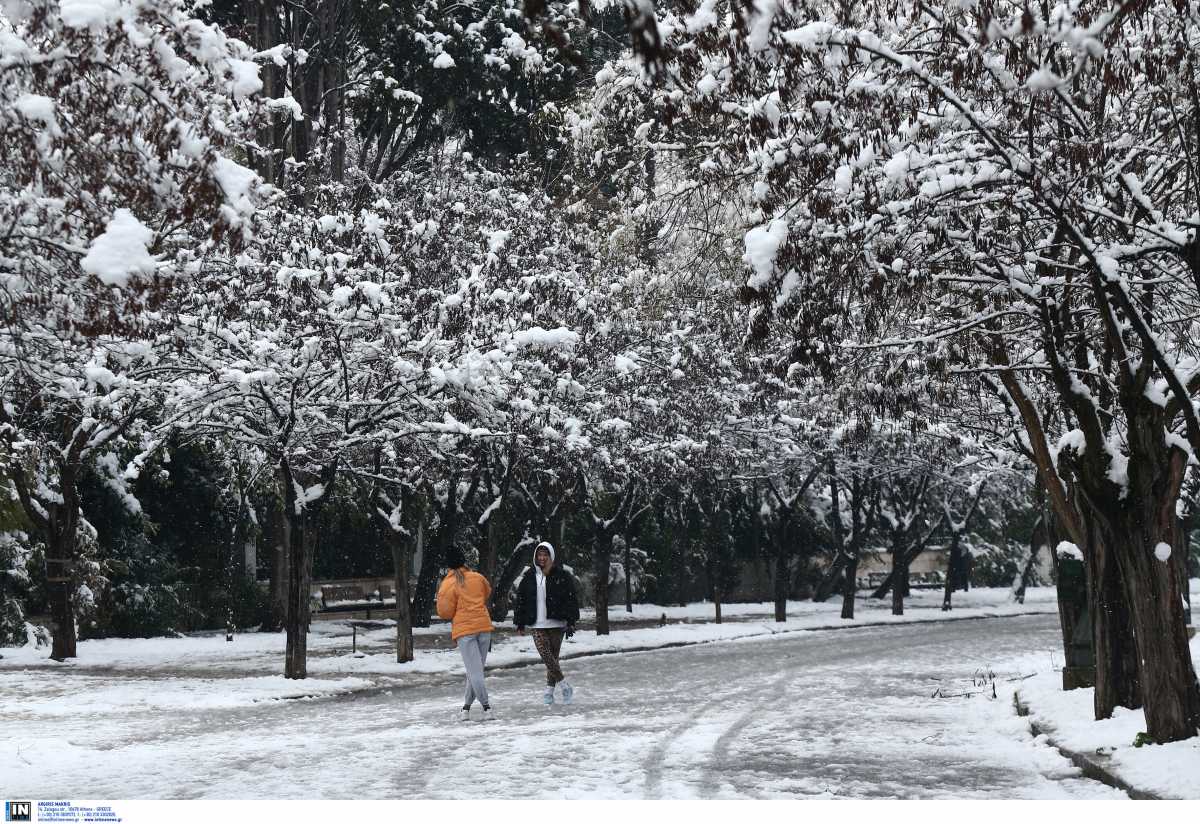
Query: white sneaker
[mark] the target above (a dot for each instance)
(548, 696)
(464, 715)
(568, 692)
(488, 715)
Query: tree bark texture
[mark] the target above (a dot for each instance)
(601, 557)
(849, 591)
(400, 563)
(782, 581)
(953, 563)
(1152, 593)
(900, 566)
(518, 560)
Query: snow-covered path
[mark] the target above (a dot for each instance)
(844, 713)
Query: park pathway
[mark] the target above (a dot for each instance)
(848, 713)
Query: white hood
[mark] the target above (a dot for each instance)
(549, 547)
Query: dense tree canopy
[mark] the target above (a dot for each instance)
(782, 284)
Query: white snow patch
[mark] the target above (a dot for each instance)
(704, 18)
(38, 108)
(560, 338)
(1068, 550)
(843, 180)
(236, 181)
(626, 364)
(100, 376)
(245, 77)
(809, 36)
(497, 239)
(1043, 80)
(89, 14)
(287, 103)
(762, 245)
(760, 24)
(121, 251)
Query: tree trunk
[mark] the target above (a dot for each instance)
(489, 558)
(1179, 557)
(302, 91)
(302, 533)
(279, 569)
(513, 567)
(1112, 633)
(61, 527)
(781, 583)
(883, 589)
(1152, 590)
(1027, 572)
(951, 571)
(272, 135)
(331, 78)
(400, 563)
(899, 579)
(426, 592)
(601, 549)
(629, 578)
(826, 587)
(829, 583)
(716, 587)
(59, 565)
(850, 588)
(296, 623)
(682, 547)
(886, 587)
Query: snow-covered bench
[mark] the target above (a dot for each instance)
(351, 598)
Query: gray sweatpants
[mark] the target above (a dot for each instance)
(474, 650)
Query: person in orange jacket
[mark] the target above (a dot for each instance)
(462, 599)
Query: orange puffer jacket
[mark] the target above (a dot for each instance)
(465, 605)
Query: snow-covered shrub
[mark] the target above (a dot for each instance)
(639, 575)
(15, 555)
(996, 565)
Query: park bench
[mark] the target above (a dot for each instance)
(352, 598)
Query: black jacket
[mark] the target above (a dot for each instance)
(561, 601)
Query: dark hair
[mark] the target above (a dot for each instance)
(455, 558)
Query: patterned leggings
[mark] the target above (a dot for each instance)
(549, 643)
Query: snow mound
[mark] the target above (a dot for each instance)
(121, 251)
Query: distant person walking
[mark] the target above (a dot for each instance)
(462, 600)
(548, 605)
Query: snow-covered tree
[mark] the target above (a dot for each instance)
(117, 123)
(999, 193)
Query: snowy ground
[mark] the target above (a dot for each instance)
(206, 671)
(771, 711)
(1169, 771)
(808, 714)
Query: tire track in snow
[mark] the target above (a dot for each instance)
(655, 760)
(710, 776)
(751, 689)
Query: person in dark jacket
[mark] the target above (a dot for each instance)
(548, 605)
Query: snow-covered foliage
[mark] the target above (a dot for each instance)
(988, 192)
(15, 582)
(117, 123)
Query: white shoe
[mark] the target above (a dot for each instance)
(568, 692)
(548, 696)
(464, 715)
(488, 715)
